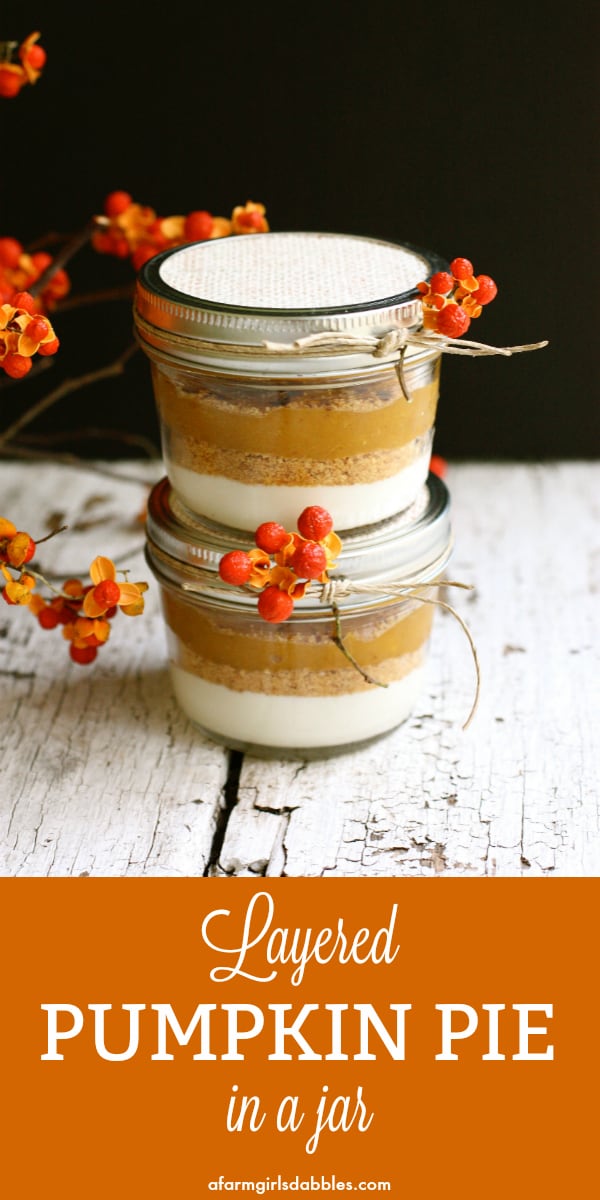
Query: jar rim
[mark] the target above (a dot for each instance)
(172, 313)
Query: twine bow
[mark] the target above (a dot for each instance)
(394, 341)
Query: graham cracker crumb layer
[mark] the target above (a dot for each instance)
(204, 458)
(302, 681)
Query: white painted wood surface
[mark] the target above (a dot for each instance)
(102, 775)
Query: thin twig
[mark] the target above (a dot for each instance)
(70, 460)
(339, 641)
(93, 433)
(52, 238)
(53, 533)
(125, 292)
(64, 389)
(73, 245)
(402, 377)
(46, 583)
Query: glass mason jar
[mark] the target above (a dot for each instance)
(256, 426)
(294, 688)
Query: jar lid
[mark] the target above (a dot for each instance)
(413, 546)
(243, 291)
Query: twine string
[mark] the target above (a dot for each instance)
(394, 341)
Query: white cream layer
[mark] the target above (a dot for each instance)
(295, 722)
(247, 505)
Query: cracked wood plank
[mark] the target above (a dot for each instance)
(517, 793)
(102, 774)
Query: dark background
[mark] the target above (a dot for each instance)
(468, 130)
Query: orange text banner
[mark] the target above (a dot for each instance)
(189, 1037)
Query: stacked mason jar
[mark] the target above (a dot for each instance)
(288, 373)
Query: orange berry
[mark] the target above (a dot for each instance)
(120, 247)
(155, 232)
(37, 329)
(441, 283)
(48, 617)
(309, 560)
(452, 321)
(102, 242)
(73, 588)
(461, 268)
(16, 365)
(11, 83)
(116, 203)
(5, 596)
(82, 654)
(107, 592)
(10, 252)
(49, 348)
(41, 260)
(271, 537)
(438, 466)
(486, 291)
(36, 604)
(250, 220)
(58, 285)
(142, 254)
(235, 567)
(36, 57)
(25, 301)
(315, 523)
(111, 243)
(66, 615)
(198, 226)
(274, 605)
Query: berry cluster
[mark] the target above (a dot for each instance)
(130, 230)
(23, 333)
(19, 271)
(284, 564)
(84, 612)
(451, 299)
(14, 75)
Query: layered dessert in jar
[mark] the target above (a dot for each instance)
(326, 679)
(272, 379)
